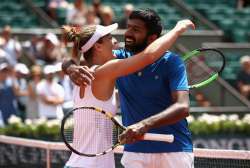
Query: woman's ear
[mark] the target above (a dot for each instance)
(97, 46)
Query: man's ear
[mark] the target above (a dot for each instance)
(151, 38)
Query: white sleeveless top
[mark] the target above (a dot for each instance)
(87, 130)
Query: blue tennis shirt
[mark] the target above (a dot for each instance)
(148, 92)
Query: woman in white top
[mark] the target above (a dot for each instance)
(95, 42)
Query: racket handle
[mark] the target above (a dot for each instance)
(159, 137)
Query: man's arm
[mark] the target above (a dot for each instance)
(80, 75)
(176, 112)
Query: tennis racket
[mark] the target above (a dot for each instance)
(203, 66)
(89, 131)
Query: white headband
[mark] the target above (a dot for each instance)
(99, 32)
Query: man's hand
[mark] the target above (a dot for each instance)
(80, 75)
(183, 25)
(133, 133)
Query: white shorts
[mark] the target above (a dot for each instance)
(158, 160)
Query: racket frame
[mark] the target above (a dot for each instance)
(148, 136)
(213, 77)
(108, 115)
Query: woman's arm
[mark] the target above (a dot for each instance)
(120, 67)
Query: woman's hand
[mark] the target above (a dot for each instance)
(183, 25)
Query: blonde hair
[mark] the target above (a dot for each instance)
(79, 36)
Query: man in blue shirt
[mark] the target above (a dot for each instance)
(153, 100)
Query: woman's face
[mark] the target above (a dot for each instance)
(105, 48)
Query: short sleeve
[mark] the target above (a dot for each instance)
(118, 54)
(177, 73)
(122, 53)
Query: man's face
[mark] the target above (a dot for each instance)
(136, 35)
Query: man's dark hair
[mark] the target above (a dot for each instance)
(150, 18)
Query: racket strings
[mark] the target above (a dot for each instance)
(90, 131)
(203, 66)
(116, 132)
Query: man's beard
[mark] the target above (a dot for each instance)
(136, 48)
